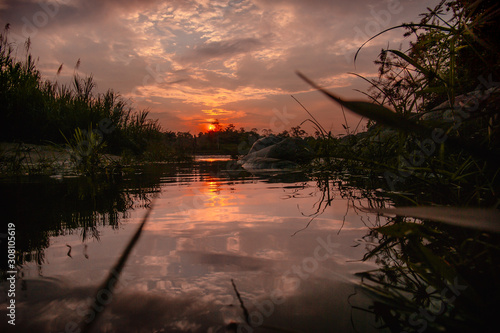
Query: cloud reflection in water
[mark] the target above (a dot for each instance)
(201, 235)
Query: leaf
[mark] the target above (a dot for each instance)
(428, 73)
(405, 25)
(389, 118)
(485, 219)
(376, 250)
(113, 276)
(373, 111)
(438, 266)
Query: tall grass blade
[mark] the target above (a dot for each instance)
(112, 279)
(428, 73)
(476, 218)
(406, 25)
(315, 121)
(383, 115)
(372, 111)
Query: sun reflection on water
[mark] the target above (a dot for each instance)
(206, 230)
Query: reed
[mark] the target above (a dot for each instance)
(461, 167)
(38, 111)
(423, 251)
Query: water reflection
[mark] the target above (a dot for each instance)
(44, 207)
(432, 277)
(211, 223)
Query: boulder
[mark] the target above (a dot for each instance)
(464, 105)
(272, 152)
(266, 163)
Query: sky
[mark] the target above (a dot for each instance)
(191, 62)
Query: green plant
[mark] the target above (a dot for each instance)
(86, 148)
(434, 276)
(35, 110)
(443, 163)
(457, 149)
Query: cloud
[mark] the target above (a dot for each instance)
(189, 56)
(221, 49)
(223, 114)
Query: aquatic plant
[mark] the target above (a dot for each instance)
(434, 277)
(86, 148)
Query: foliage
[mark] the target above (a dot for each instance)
(86, 149)
(38, 111)
(432, 276)
(434, 138)
(450, 151)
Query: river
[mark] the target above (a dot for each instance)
(218, 241)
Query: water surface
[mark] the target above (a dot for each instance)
(211, 224)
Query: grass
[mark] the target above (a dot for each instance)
(434, 134)
(100, 302)
(40, 111)
(86, 150)
(455, 153)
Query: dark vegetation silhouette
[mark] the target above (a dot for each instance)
(432, 147)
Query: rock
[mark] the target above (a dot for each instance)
(265, 163)
(264, 142)
(272, 152)
(466, 103)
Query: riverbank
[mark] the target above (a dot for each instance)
(30, 159)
